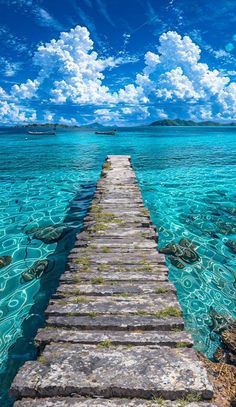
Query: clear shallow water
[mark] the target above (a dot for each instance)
(187, 177)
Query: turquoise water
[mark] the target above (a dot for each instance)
(187, 177)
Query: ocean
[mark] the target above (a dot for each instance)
(187, 177)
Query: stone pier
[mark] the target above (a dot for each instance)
(114, 334)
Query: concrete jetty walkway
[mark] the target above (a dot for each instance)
(114, 334)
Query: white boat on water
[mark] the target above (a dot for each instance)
(42, 133)
(111, 132)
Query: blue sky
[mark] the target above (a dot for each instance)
(118, 62)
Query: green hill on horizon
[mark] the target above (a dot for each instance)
(179, 122)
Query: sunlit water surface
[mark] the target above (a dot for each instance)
(187, 177)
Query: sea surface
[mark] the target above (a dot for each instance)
(187, 177)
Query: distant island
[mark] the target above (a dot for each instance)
(179, 122)
(60, 126)
(96, 126)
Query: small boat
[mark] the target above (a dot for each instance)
(110, 133)
(42, 133)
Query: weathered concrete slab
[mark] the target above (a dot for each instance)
(118, 323)
(144, 267)
(115, 305)
(118, 233)
(133, 258)
(99, 402)
(118, 276)
(97, 255)
(134, 244)
(103, 288)
(113, 372)
(162, 338)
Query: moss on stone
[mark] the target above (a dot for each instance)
(183, 344)
(105, 344)
(95, 208)
(98, 280)
(43, 360)
(189, 398)
(107, 166)
(106, 249)
(104, 217)
(145, 211)
(84, 262)
(80, 300)
(145, 266)
(125, 295)
(158, 400)
(168, 312)
(141, 313)
(103, 267)
(62, 302)
(121, 269)
(92, 314)
(119, 221)
(161, 290)
(70, 314)
(99, 227)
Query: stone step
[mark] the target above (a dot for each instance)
(116, 305)
(102, 288)
(117, 322)
(146, 268)
(110, 187)
(99, 402)
(133, 258)
(128, 193)
(97, 245)
(128, 217)
(119, 201)
(120, 371)
(109, 338)
(118, 242)
(106, 229)
(154, 305)
(128, 205)
(133, 196)
(121, 235)
(142, 252)
(114, 276)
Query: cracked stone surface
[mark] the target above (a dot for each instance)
(140, 371)
(115, 305)
(106, 289)
(117, 322)
(116, 276)
(114, 334)
(84, 402)
(138, 337)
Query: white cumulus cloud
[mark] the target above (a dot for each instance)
(175, 75)
(14, 114)
(71, 69)
(71, 72)
(26, 90)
